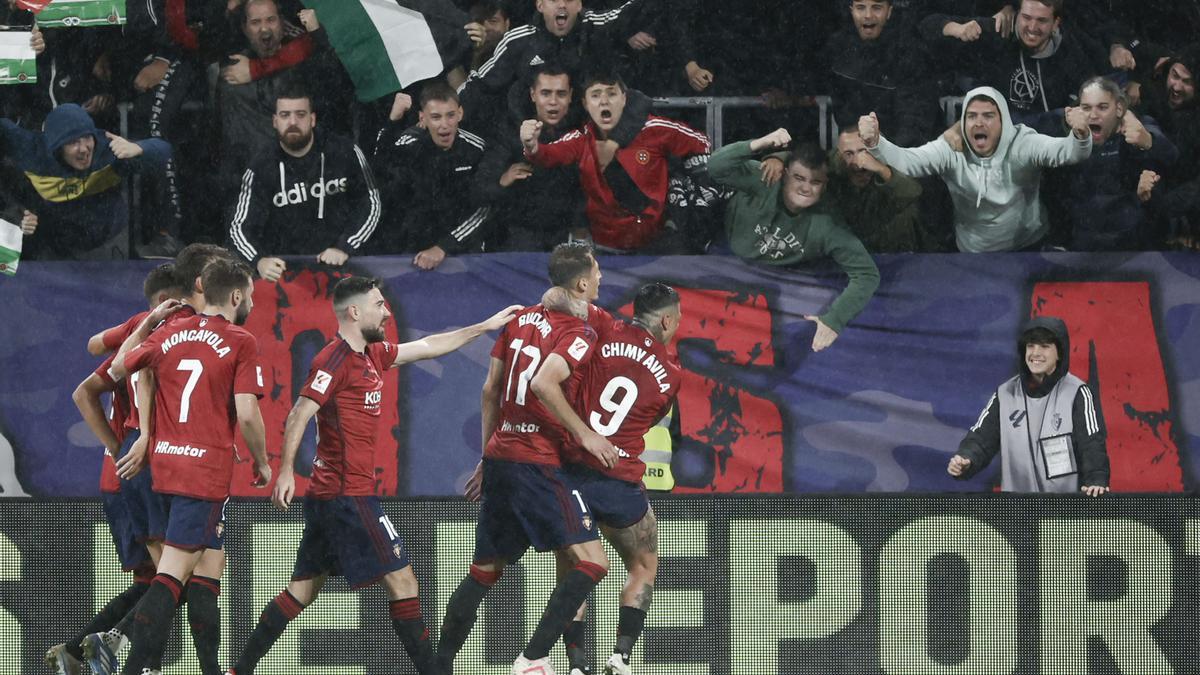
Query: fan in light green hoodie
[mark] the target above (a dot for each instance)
(996, 196)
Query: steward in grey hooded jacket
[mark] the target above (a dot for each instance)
(996, 198)
(1025, 420)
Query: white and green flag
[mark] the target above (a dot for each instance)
(18, 63)
(81, 13)
(383, 45)
(10, 247)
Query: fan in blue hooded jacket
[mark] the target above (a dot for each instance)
(1099, 196)
(1044, 423)
(76, 172)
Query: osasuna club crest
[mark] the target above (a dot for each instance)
(587, 522)
(396, 549)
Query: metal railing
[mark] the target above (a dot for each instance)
(714, 113)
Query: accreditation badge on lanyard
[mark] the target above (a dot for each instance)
(1058, 455)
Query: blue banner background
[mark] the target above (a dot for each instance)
(881, 410)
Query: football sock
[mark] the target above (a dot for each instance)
(568, 595)
(573, 639)
(407, 622)
(204, 617)
(151, 622)
(630, 621)
(462, 610)
(271, 624)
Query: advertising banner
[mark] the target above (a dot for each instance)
(860, 584)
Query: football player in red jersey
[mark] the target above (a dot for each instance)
(147, 508)
(129, 528)
(526, 499)
(346, 532)
(208, 381)
(627, 387)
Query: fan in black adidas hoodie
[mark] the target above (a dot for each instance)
(426, 172)
(312, 194)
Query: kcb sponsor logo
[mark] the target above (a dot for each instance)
(374, 397)
(300, 192)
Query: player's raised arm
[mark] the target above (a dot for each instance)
(168, 307)
(432, 346)
(250, 421)
(547, 385)
(293, 431)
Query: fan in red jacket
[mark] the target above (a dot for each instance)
(622, 155)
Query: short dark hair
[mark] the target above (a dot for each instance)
(549, 68)
(191, 261)
(351, 287)
(1039, 335)
(162, 278)
(438, 91)
(654, 297)
(293, 88)
(980, 97)
(809, 155)
(224, 276)
(569, 261)
(600, 76)
(1058, 7)
(482, 10)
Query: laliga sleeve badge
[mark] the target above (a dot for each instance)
(578, 348)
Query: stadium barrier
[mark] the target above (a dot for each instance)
(915, 584)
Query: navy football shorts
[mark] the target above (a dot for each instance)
(349, 537)
(130, 551)
(195, 524)
(614, 502)
(147, 509)
(528, 505)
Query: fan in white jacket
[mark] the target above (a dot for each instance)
(995, 178)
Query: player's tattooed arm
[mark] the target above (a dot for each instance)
(433, 346)
(557, 299)
(293, 432)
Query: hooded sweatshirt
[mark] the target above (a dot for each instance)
(304, 205)
(80, 210)
(996, 199)
(761, 229)
(1023, 416)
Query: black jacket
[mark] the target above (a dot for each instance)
(427, 192)
(889, 76)
(1031, 85)
(591, 44)
(537, 212)
(304, 205)
(982, 442)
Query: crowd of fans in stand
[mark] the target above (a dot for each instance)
(1081, 131)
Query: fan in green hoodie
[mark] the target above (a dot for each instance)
(787, 223)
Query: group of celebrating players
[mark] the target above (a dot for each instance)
(569, 395)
